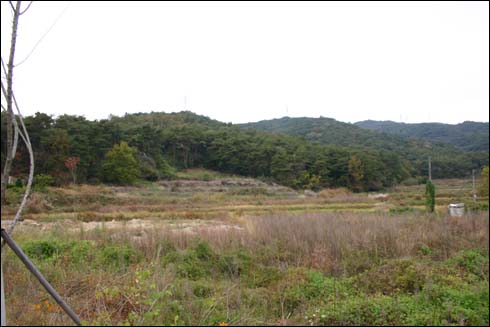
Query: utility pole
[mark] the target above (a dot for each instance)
(474, 192)
(430, 171)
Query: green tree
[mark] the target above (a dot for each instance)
(120, 165)
(55, 148)
(483, 187)
(356, 173)
(430, 196)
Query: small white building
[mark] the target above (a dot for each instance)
(456, 209)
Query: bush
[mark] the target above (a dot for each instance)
(119, 257)
(473, 261)
(44, 249)
(165, 170)
(396, 276)
(194, 263)
(76, 252)
(42, 181)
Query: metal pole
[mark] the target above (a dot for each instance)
(4, 319)
(40, 277)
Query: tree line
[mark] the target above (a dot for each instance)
(121, 150)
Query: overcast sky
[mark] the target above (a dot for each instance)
(242, 62)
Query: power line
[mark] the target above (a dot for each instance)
(44, 35)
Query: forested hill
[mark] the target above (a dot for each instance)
(468, 136)
(331, 131)
(449, 160)
(152, 146)
(328, 131)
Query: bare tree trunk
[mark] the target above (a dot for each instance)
(9, 99)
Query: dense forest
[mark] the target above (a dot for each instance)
(150, 146)
(468, 136)
(448, 160)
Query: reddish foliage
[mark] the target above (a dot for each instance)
(71, 162)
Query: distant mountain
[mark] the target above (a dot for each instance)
(327, 131)
(468, 136)
(447, 159)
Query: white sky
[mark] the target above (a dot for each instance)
(242, 62)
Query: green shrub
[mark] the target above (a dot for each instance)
(119, 257)
(425, 250)
(44, 249)
(82, 252)
(202, 288)
(194, 263)
(42, 181)
(394, 277)
(74, 252)
(18, 182)
(473, 261)
(203, 251)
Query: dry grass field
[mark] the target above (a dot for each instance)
(210, 249)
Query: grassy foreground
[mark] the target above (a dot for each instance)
(244, 256)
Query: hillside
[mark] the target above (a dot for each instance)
(468, 136)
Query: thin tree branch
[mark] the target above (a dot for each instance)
(23, 11)
(4, 91)
(16, 138)
(10, 113)
(27, 141)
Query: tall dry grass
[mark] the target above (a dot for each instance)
(333, 241)
(338, 243)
